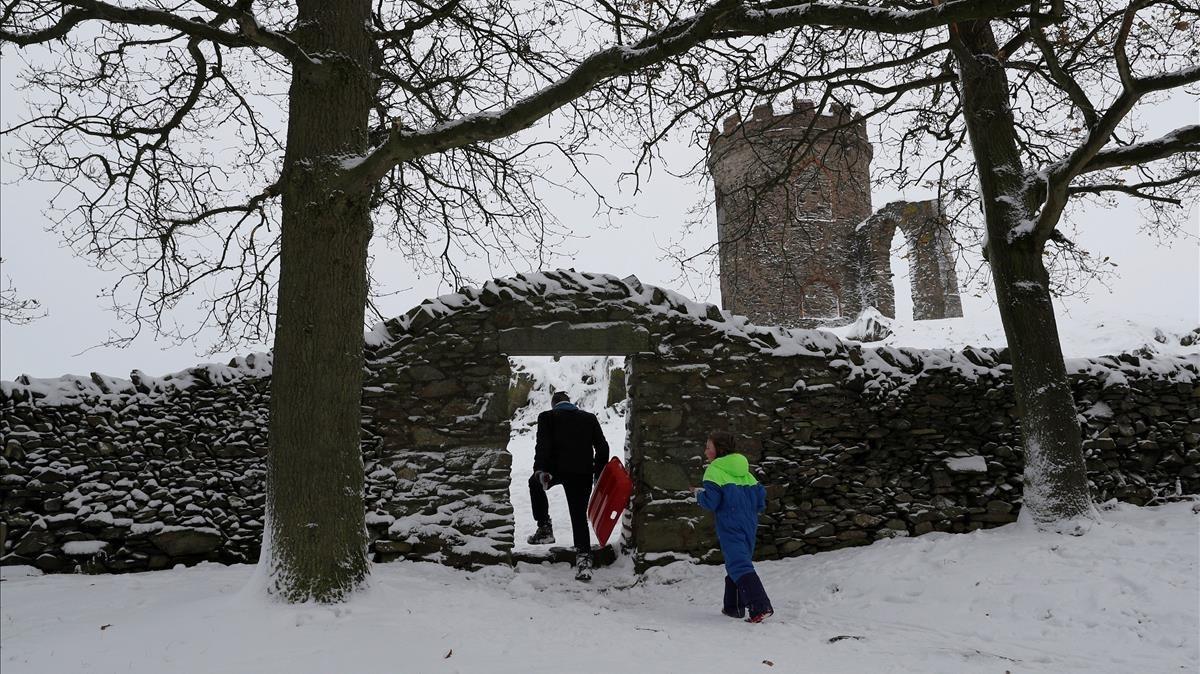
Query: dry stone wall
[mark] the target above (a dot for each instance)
(848, 461)
(855, 444)
(105, 474)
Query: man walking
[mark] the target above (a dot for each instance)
(571, 451)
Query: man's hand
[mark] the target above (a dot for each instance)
(544, 479)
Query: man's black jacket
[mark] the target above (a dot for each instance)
(566, 438)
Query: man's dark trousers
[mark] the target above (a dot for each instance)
(579, 490)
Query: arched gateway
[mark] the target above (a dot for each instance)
(436, 413)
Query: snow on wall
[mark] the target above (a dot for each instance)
(100, 389)
(856, 443)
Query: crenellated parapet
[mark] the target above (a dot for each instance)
(800, 121)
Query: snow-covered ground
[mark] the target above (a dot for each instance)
(1122, 599)
(1085, 331)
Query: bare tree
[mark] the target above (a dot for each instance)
(1010, 120)
(409, 109)
(15, 309)
(1081, 68)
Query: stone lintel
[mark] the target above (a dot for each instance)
(575, 339)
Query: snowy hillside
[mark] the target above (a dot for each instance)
(1121, 599)
(1085, 331)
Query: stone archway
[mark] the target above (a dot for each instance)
(436, 415)
(933, 278)
(857, 444)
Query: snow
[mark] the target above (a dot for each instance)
(98, 390)
(1086, 331)
(967, 464)
(100, 519)
(18, 571)
(1105, 158)
(84, 548)
(351, 162)
(1121, 599)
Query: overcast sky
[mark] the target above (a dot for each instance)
(1156, 280)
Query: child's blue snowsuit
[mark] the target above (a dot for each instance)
(736, 498)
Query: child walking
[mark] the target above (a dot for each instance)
(735, 498)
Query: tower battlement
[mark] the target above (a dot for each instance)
(764, 121)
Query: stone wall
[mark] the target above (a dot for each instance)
(855, 443)
(135, 480)
(849, 459)
(436, 417)
(126, 475)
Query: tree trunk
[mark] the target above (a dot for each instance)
(1056, 487)
(316, 536)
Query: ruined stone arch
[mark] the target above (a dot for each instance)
(933, 277)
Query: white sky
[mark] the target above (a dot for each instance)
(1156, 281)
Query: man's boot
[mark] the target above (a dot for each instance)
(583, 566)
(543, 536)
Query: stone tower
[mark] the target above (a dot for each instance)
(798, 245)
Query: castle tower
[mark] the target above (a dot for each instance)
(798, 244)
(790, 190)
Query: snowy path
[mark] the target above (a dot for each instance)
(1122, 599)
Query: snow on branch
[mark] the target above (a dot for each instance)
(1183, 139)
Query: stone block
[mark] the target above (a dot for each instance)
(186, 541)
(575, 339)
(667, 475)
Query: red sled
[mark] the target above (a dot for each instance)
(609, 499)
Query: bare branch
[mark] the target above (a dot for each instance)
(1183, 139)
(1139, 190)
(16, 310)
(250, 33)
(724, 19)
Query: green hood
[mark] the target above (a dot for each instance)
(729, 469)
